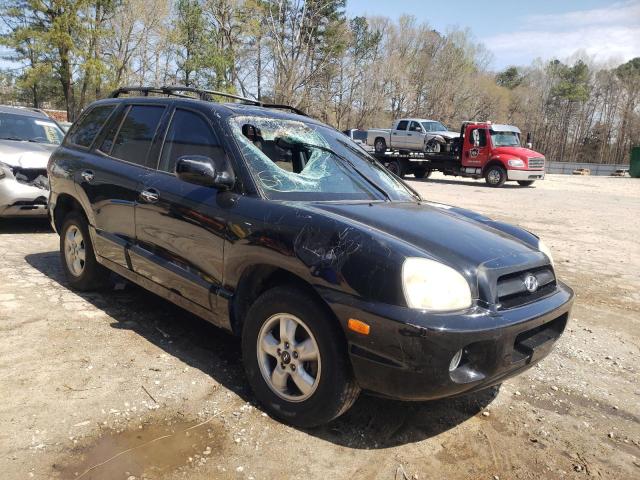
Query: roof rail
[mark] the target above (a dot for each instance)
(176, 91)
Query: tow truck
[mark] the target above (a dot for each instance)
(483, 150)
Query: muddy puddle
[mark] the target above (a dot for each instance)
(147, 453)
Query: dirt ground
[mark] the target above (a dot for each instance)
(120, 384)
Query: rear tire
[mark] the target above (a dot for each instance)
(495, 176)
(380, 146)
(525, 183)
(79, 263)
(310, 352)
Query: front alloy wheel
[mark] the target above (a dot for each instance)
(289, 357)
(295, 356)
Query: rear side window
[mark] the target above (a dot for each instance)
(136, 133)
(189, 134)
(87, 128)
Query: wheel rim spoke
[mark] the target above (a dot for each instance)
(288, 330)
(279, 378)
(270, 345)
(307, 351)
(303, 380)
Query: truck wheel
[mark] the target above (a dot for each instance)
(432, 146)
(295, 358)
(422, 172)
(395, 167)
(380, 145)
(495, 176)
(79, 263)
(525, 183)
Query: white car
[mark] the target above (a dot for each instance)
(412, 135)
(27, 139)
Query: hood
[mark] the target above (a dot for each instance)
(444, 235)
(447, 134)
(25, 154)
(518, 152)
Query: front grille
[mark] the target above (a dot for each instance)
(512, 291)
(536, 163)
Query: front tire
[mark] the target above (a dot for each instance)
(525, 183)
(295, 358)
(79, 263)
(422, 172)
(380, 146)
(495, 176)
(432, 146)
(395, 167)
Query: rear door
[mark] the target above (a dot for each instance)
(180, 226)
(111, 175)
(399, 135)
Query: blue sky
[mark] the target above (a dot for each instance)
(518, 32)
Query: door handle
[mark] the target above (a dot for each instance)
(409, 134)
(87, 176)
(150, 195)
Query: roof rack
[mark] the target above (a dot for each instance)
(207, 95)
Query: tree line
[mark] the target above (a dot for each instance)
(349, 72)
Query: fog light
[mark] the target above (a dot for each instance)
(455, 361)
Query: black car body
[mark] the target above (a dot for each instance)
(219, 242)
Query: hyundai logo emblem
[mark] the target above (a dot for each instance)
(531, 283)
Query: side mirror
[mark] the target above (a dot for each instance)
(199, 170)
(476, 138)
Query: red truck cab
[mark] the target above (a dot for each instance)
(494, 151)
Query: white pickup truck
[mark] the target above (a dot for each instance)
(411, 135)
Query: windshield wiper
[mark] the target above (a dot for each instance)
(351, 164)
(15, 139)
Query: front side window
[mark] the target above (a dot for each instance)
(415, 127)
(505, 139)
(483, 136)
(85, 131)
(295, 160)
(25, 128)
(189, 134)
(402, 125)
(136, 132)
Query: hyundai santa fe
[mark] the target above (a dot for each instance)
(336, 275)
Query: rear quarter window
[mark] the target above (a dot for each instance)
(85, 130)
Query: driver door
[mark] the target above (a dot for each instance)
(180, 226)
(476, 155)
(415, 136)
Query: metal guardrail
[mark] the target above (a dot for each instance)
(598, 169)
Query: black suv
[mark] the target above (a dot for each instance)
(337, 276)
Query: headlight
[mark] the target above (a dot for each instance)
(516, 163)
(546, 250)
(430, 285)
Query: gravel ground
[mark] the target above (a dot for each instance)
(120, 384)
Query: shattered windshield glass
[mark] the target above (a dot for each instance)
(297, 160)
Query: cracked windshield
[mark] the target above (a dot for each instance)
(295, 160)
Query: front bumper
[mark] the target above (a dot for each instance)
(408, 352)
(525, 175)
(21, 200)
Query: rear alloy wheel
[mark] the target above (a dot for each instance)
(380, 146)
(395, 167)
(525, 183)
(495, 176)
(79, 263)
(295, 358)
